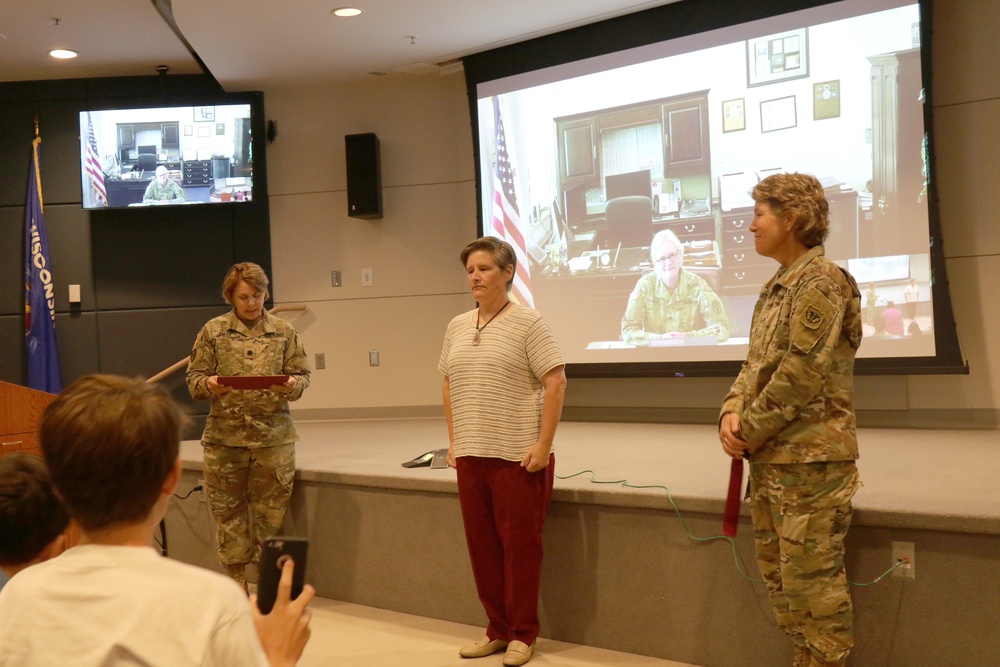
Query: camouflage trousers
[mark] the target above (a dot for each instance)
(248, 492)
(801, 513)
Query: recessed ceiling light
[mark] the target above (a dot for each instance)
(63, 53)
(345, 11)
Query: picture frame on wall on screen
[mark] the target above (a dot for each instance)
(203, 114)
(826, 100)
(734, 115)
(778, 114)
(779, 57)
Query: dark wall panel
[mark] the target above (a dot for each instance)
(12, 345)
(12, 265)
(76, 335)
(59, 152)
(145, 342)
(252, 243)
(161, 257)
(68, 230)
(76, 338)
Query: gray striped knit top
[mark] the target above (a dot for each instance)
(496, 391)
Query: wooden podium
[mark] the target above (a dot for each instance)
(20, 413)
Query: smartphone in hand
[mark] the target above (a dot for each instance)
(274, 552)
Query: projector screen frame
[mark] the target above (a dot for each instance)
(691, 17)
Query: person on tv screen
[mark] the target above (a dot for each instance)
(249, 439)
(162, 189)
(911, 294)
(790, 412)
(672, 302)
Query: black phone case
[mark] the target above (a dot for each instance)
(274, 552)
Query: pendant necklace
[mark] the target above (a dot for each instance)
(475, 336)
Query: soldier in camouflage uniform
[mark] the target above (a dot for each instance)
(871, 300)
(791, 413)
(249, 439)
(672, 302)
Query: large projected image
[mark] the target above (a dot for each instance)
(623, 180)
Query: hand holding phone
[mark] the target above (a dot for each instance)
(284, 628)
(274, 553)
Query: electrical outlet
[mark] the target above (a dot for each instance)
(373, 357)
(320, 361)
(904, 552)
(201, 494)
(367, 277)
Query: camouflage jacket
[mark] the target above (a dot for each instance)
(242, 417)
(693, 309)
(795, 393)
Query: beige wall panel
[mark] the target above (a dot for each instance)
(977, 312)
(968, 173)
(422, 123)
(871, 392)
(406, 331)
(413, 250)
(964, 51)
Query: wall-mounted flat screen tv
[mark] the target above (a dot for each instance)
(701, 99)
(167, 155)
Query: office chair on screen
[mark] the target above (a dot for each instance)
(629, 221)
(146, 162)
(709, 273)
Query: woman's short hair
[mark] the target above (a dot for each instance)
(501, 251)
(249, 273)
(109, 443)
(801, 196)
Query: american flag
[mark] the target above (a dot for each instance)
(506, 217)
(92, 165)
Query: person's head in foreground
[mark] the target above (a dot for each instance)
(33, 520)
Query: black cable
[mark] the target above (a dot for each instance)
(188, 494)
(162, 542)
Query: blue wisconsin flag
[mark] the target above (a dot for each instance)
(39, 292)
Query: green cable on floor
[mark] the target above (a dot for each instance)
(732, 543)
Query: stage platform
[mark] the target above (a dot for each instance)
(644, 570)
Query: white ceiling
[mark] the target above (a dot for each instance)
(264, 44)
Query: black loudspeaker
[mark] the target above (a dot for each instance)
(364, 176)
